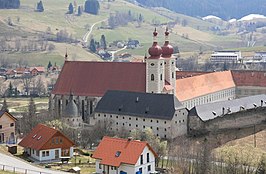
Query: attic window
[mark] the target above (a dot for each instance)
(117, 154)
(34, 136)
(39, 137)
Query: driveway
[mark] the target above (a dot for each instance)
(10, 162)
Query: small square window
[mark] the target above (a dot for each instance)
(129, 118)
(116, 123)
(111, 116)
(123, 117)
(151, 121)
(129, 124)
(157, 128)
(137, 125)
(99, 115)
(143, 119)
(11, 124)
(143, 127)
(164, 122)
(116, 116)
(136, 118)
(157, 121)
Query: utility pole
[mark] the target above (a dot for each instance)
(254, 135)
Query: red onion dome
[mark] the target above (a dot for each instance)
(167, 49)
(155, 50)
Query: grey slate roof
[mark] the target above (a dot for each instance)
(71, 109)
(212, 110)
(148, 105)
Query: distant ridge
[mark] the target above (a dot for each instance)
(225, 9)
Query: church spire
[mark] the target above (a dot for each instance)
(155, 50)
(66, 55)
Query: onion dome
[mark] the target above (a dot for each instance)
(155, 50)
(71, 108)
(167, 49)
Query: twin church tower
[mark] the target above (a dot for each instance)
(161, 67)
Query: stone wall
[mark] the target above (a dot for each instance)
(245, 118)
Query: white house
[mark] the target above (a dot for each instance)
(44, 143)
(124, 156)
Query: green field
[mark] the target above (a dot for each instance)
(31, 24)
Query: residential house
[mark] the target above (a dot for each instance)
(163, 113)
(37, 70)
(7, 128)
(45, 143)
(124, 156)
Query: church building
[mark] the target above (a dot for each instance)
(89, 81)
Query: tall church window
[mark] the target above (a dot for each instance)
(172, 75)
(161, 77)
(152, 77)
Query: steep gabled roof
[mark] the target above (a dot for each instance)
(147, 105)
(95, 78)
(38, 68)
(39, 136)
(210, 111)
(201, 85)
(11, 116)
(130, 151)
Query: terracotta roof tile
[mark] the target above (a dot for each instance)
(129, 151)
(38, 68)
(200, 85)
(39, 136)
(95, 78)
(249, 78)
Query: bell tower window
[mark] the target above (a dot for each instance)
(152, 77)
(161, 77)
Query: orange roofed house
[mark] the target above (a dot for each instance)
(7, 128)
(124, 156)
(45, 143)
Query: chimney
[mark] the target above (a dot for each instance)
(223, 109)
(129, 139)
(137, 99)
(255, 105)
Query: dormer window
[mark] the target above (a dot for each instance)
(117, 154)
(39, 137)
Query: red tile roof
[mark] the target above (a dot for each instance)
(41, 135)
(38, 68)
(200, 85)
(95, 78)
(249, 78)
(130, 151)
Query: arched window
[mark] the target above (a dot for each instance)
(152, 77)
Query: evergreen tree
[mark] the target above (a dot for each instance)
(10, 90)
(70, 8)
(40, 7)
(79, 11)
(92, 46)
(103, 42)
(92, 7)
(4, 107)
(49, 65)
(32, 113)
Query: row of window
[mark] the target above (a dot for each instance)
(147, 157)
(11, 125)
(161, 76)
(210, 98)
(45, 153)
(152, 64)
(129, 118)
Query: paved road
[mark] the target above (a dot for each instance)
(20, 165)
